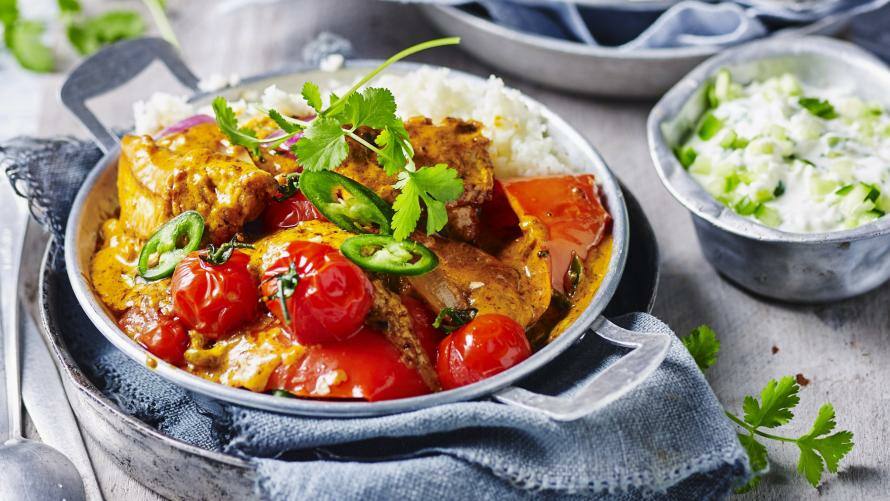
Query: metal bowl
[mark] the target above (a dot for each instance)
(589, 69)
(796, 267)
(97, 200)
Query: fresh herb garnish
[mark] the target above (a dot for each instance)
(290, 187)
(219, 255)
(451, 319)
(287, 284)
(819, 107)
(820, 449)
(91, 34)
(574, 274)
(322, 144)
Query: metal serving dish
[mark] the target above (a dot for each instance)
(797, 267)
(577, 67)
(97, 200)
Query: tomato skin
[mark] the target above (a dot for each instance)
(366, 365)
(571, 209)
(489, 344)
(289, 212)
(332, 297)
(422, 321)
(214, 299)
(163, 336)
(498, 217)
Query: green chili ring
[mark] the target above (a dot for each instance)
(384, 254)
(165, 245)
(354, 214)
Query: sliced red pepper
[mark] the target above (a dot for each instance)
(365, 366)
(571, 209)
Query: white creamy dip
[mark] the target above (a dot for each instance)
(792, 156)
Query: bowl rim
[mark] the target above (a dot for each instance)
(609, 52)
(691, 194)
(104, 320)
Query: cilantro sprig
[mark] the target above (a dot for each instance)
(321, 143)
(820, 449)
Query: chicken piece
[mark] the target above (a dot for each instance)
(469, 278)
(457, 143)
(526, 255)
(279, 161)
(393, 319)
(156, 183)
(388, 314)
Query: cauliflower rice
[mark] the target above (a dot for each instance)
(520, 145)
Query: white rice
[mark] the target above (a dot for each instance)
(520, 145)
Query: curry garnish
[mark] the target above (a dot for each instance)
(290, 187)
(451, 319)
(321, 143)
(219, 255)
(166, 248)
(384, 254)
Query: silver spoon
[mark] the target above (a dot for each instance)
(28, 469)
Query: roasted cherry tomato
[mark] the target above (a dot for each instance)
(214, 299)
(422, 321)
(489, 344)
(163, 336)
(288, 212)
(365, 366)
(318, 295)
(570, 207)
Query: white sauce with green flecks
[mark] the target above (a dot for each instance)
(792, 156)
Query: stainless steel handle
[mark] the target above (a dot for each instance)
(650, 349)
(112, 67)
(12, 235)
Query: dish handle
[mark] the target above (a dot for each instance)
(649, 350)
(112, 67)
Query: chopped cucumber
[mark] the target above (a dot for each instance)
(768, 216)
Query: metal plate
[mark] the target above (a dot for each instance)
(578, 67)
(181, 471)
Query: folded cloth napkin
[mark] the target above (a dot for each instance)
(656, 24)
(667, 439)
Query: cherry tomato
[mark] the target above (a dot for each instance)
(327, 296)
(365, 366)
(162, 335)
(214, 299)
(422, 320)
(289, 212)
(571, 209)
(489, 344)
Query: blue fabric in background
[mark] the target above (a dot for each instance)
(669, 438)
(657, 24)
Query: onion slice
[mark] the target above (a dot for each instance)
(186, 124)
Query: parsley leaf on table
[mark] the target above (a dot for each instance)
(703, 345)
(24, 40)
(818, 450)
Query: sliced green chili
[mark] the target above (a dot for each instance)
(166, 248)
(346, 203)
(384, 254)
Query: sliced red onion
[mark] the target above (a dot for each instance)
(186, 124)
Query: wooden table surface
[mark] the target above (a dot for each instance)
(842, 349)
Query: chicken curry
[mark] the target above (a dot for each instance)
(247, 267)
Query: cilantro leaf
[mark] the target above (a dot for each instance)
(312, 95)
(435, 186)
(395, 148)
(228, 123)
(776, 401)
(757, 459)
(69, 6)
(831, 448)
(703, 345)
(286, 125)
(92, 34)
(323, 145)
(819, 107)
(24, 39)
(374, 107)
(810, 465)
(9, 13)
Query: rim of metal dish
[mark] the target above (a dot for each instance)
(102, 319)
(691, 194)
(581, 49)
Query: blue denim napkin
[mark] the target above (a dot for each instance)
(667, 439)
(656, 24)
